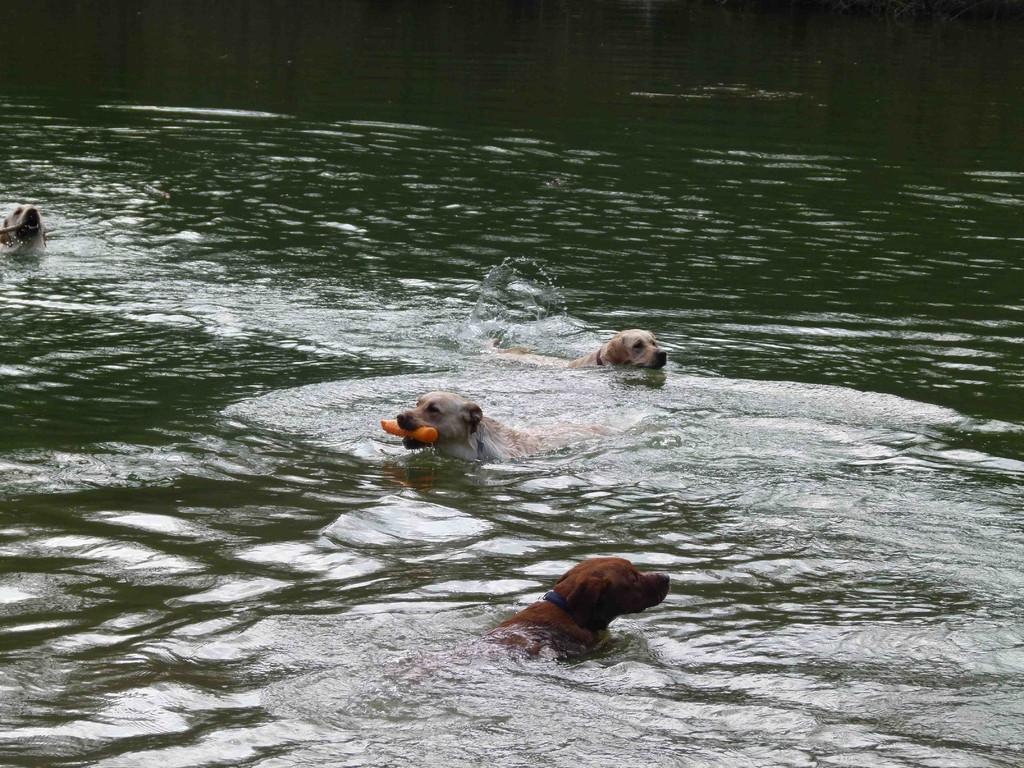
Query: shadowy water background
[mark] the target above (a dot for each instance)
(273, 224)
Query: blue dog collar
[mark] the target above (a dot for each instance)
(556, 599)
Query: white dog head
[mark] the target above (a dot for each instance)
(23, 231)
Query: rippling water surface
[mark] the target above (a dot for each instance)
(211, 553)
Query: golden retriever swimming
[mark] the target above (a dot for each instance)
(570, 619)
(465, 433)
(462, 429)
(632, 347)
(23, 231)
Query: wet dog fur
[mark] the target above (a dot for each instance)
(463, 431)
(571, 618)
(23, 231)
(632, 347)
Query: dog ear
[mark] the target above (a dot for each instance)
(582, 592)
(583, 595)
(615, 352)
(473, 414)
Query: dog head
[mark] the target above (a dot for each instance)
(454, 417)
(23, 230)
(634, 347)
(602, 588)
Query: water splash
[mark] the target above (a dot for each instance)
(519, 303)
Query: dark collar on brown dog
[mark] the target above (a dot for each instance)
(556, 599)
(599, 361)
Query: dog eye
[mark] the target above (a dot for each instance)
(18, 211)
(638, 345)
(433, 409)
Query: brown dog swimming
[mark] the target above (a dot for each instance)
(568, 620)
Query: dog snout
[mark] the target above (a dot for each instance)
(660, 358)
(660, 581)
(406, 421)
(32, 217)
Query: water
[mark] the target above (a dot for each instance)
(268, 233)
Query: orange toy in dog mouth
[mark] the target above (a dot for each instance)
(420, 434)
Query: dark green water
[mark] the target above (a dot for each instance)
(212, 555)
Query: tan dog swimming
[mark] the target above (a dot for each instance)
(465, 433)
(23, 231)
(462, 429)
(633, 347)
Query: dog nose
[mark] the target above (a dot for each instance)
(661, 358)
(404, 421)
(32, 217)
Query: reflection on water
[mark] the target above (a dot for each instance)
(213, 553)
